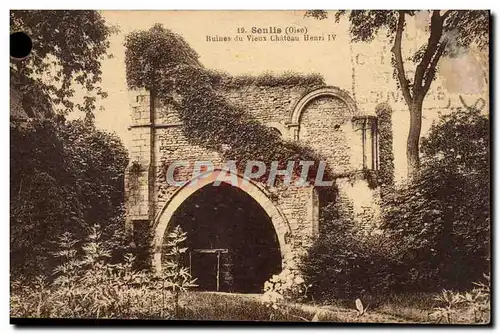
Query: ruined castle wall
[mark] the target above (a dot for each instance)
(272, 106)
(171, 145)
(325, 125)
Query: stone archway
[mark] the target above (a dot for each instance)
(326, 91)
(277, 219)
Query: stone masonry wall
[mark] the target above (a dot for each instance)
(325, 125)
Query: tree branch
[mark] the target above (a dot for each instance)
(429, 77)
(436, 29)
(398, 57)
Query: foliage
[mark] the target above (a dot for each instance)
(450, 301)
(432, 238)
(385, 143)
(89, 285)
(349, 267)
(454, 29)
(441, 220)
(343, 263)
(450, 33)
(176, 275)
(136, 168)
(360, 307)
(460, 139)
(372, 177)
(267, 79)
(286, 286)
(64, 176)
(68, 48)
(208, 119)
(469, 307)
(149, 53)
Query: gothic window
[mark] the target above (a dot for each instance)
(366, 126)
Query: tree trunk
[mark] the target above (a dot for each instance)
(412, 145)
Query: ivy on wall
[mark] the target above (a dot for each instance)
(135, 171)
(267, 79)
(386, 153)
(163, 63)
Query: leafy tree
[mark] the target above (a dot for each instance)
(459, 144)
(442, 218)
(460, 140)
(436, 228)
(68, 46)
(65, 176)
(449, 31)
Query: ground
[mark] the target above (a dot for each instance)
(237, 307)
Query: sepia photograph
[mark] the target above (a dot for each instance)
(271, 166)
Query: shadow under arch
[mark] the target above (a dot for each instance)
(163, 220)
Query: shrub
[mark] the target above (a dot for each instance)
(440, 220)
(343, 263)
(87, 285)
(63, 175)
(286, 286)
(267, 79)
(469, 307)
(176, 276)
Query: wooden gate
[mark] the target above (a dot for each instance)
(210, 255)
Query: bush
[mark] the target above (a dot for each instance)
(436, 228)
(63, 176)
(87, 285)
(288, 285)
(470, 307)
(343, 263)
(440, 221)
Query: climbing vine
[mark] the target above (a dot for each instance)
(136, 168)
(267, 79)
(163, 63)
(135, 171)
(386, 154)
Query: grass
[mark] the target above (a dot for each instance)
(236, 307)
(412, 307)
(213, 306)
(391, 308)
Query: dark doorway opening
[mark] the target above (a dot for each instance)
(232, 244)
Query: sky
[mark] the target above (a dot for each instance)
(362, 69)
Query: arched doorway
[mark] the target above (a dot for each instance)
(235, 234)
